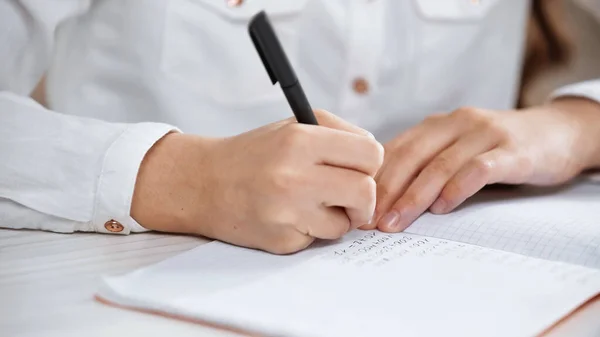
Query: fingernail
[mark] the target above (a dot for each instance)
(438, 206)
(390, 220)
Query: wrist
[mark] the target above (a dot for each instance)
(585, 117)
(168, 188)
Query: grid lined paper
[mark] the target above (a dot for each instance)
(555, 224)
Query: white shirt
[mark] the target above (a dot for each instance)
(123, 73)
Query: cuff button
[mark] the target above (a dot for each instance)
(113, 226)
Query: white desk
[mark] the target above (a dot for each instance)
(47, 283)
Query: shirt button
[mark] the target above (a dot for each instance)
(113, 226)
(360, 86)
(234, 3)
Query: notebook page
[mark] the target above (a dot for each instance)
(557, 224)
(368, 284)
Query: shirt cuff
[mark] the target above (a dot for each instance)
(588, 89)
(119, 173)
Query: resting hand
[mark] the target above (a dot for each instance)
(446, 159)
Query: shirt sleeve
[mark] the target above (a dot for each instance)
(588, 89)
(58, 172)
(66, 173)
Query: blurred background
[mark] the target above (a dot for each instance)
(583, 27)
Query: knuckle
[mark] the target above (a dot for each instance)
(484, 120)
(284, 179)
(339, 230)
(281, 215)
(434, 118)
(410, 150)
(499, 131)
(451, 190)
(411, 201)
(321, 112)
(288, 243)
(295, 136)
(525, 164)
(469, 113)
(484, 166)
(442, 166)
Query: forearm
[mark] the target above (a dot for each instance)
(75, 173)
(581, 104)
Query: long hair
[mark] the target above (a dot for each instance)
(548, 44)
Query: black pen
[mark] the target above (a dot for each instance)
(279, 68)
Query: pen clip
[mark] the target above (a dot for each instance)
(261, 53)
(279, 68)
(259, 45)
(271, 51)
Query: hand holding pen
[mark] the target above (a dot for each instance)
(276, 188)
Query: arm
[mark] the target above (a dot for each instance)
(582, 102)
(65, 173)
(260, 189)
(446, 159)
(58, 172)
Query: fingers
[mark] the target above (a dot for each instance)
(337, 201)
(285, 242)
(498, 165)
(367, 154)
(427, 186)
(405, 161)
(353, 191)
(351, 151)
(332, 147)
(329, 223)
(332, 121)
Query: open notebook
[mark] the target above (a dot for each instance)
(508, 263)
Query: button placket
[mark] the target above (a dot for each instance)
(360, 86)
(364, 45)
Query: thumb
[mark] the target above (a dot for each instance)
(327, 119)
